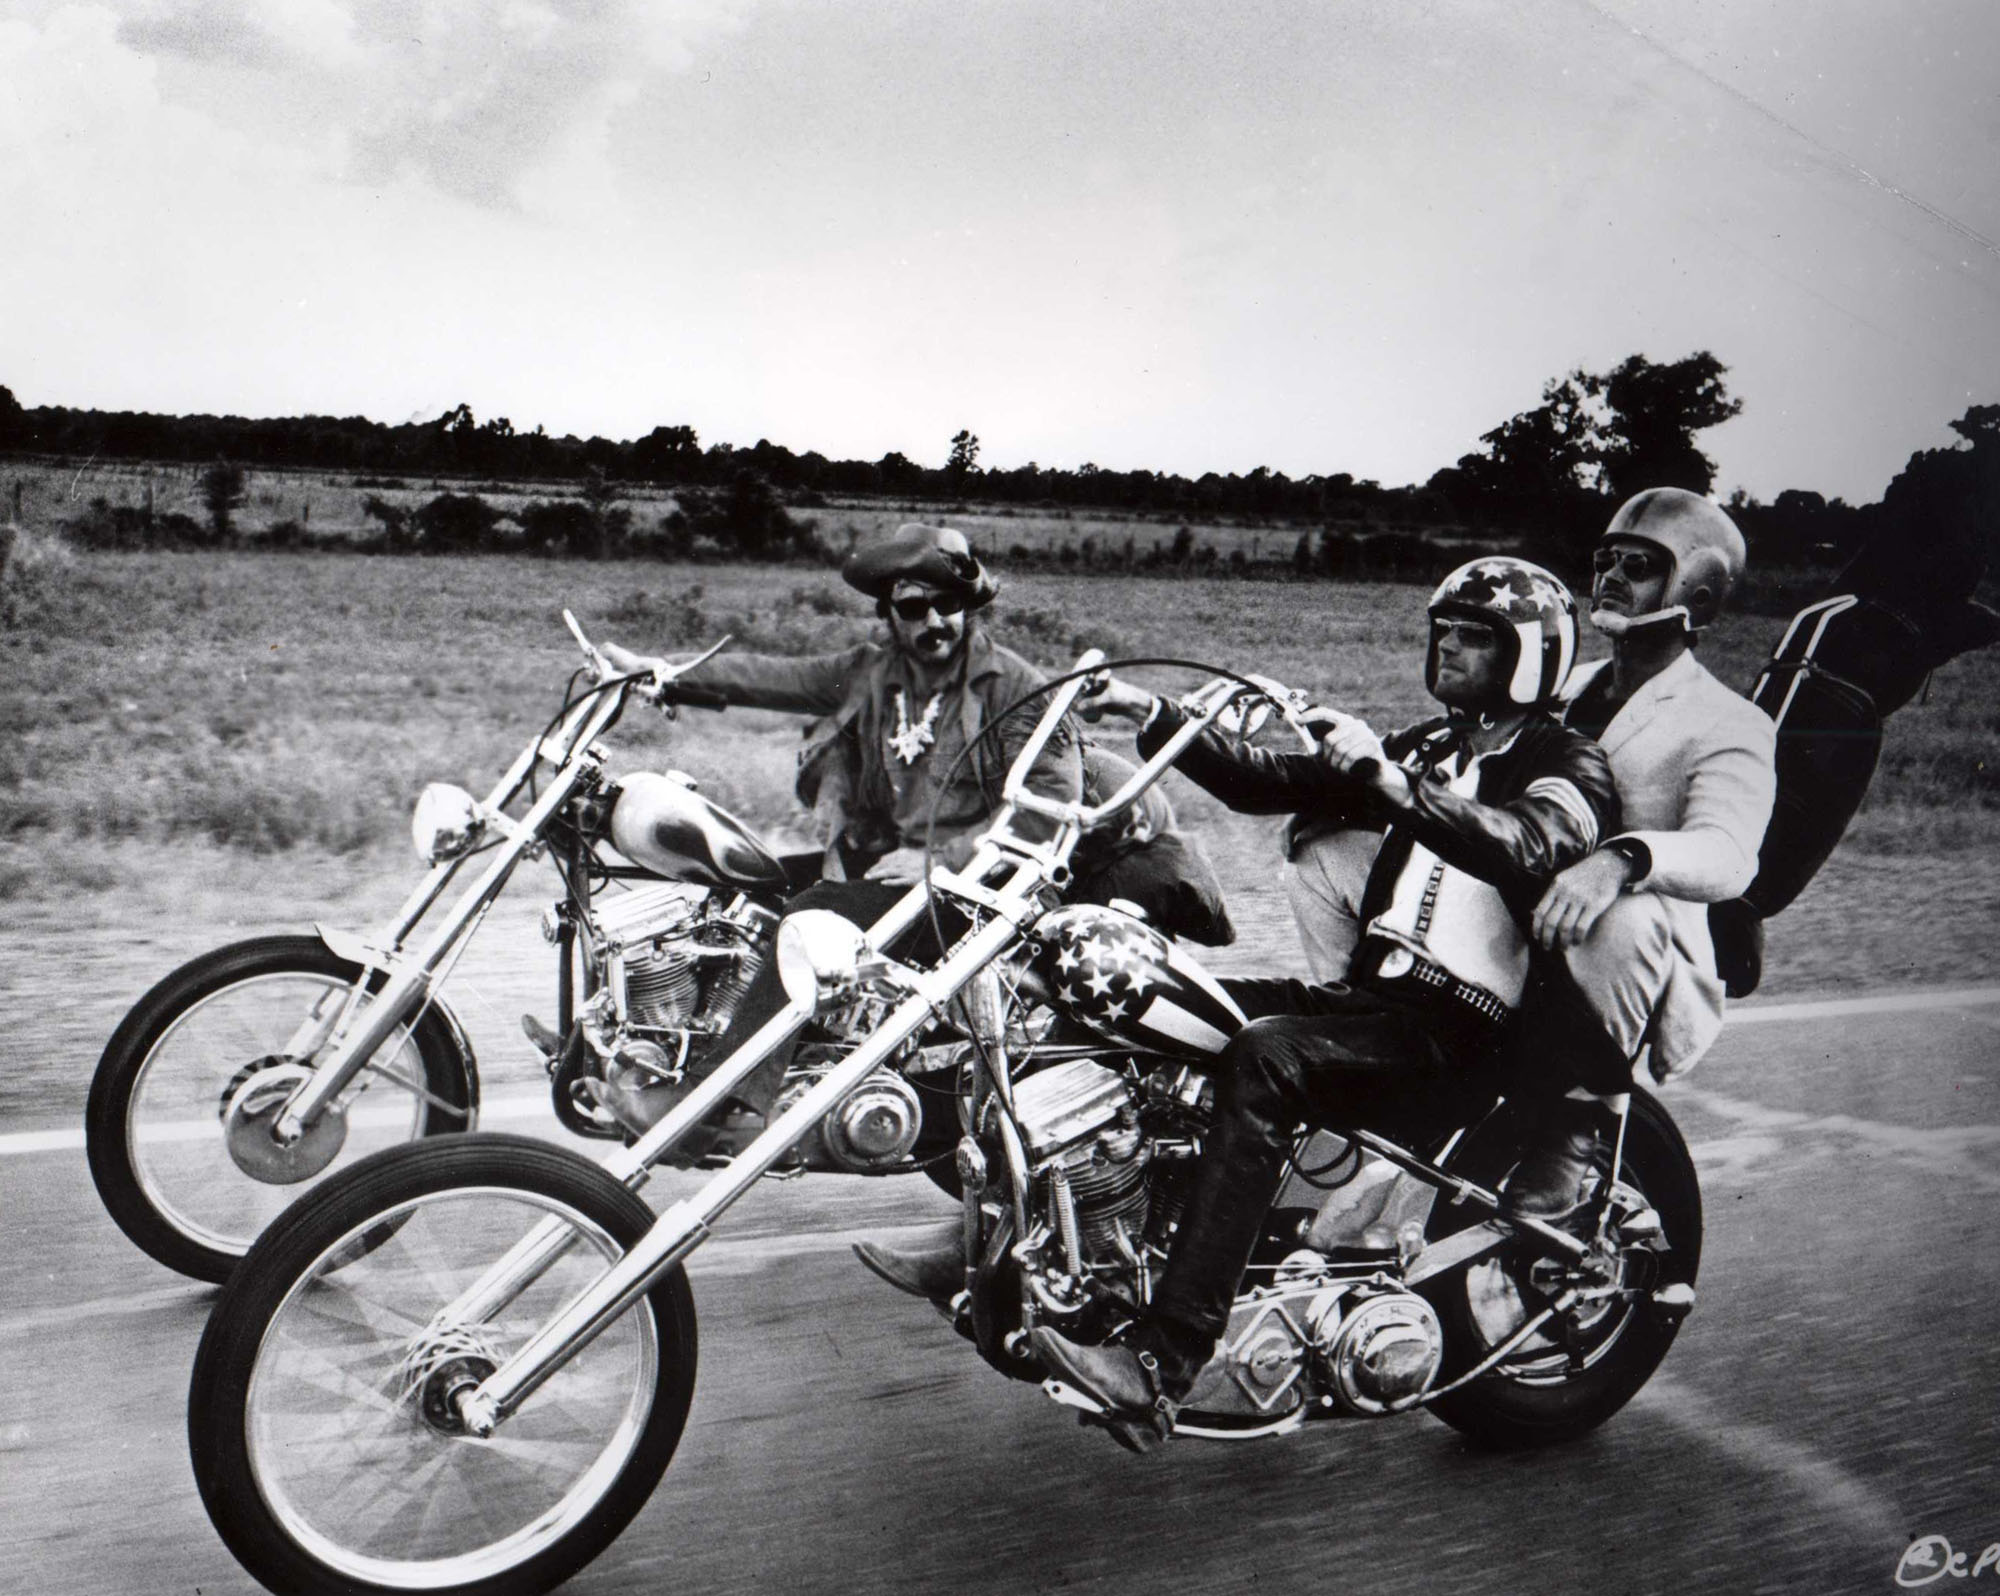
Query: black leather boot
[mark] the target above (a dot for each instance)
(932, 1266)
(1139, 1403)
(1557, 1156)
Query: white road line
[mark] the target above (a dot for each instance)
(717, 1257)
(1965, 1153)
(1846, 1501)
(527, 1105)
(1886, 1003)
(17, 1143)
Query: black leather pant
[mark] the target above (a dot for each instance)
(1324, 1056)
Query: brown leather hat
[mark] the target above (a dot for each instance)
(938, 556)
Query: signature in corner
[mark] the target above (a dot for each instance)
(1930, 1557)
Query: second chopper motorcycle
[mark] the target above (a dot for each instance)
(241, 1079)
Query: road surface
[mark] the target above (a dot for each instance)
(1830, 1402)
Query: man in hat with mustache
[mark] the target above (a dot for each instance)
(884, 755)
(893, 719)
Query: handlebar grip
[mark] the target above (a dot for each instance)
(694, 697)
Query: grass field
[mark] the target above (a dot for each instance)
(195, 744)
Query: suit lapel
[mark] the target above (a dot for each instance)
(1638, 710)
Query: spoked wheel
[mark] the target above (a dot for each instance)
(325, 1439)
(248, 1021)
(1589, 1360)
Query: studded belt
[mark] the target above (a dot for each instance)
(1386, 964)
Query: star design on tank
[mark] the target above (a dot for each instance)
(1106, 965)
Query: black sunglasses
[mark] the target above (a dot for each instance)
(918, 605)
(1638, 563)
(1470, 634)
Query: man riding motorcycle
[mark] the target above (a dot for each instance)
(1463, 821)
(884, 757)
(1634, 965)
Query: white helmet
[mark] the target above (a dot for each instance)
(1531, 610)
(1704, 550)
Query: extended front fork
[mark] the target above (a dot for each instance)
(683, 1227)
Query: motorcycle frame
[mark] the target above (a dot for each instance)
(572, 750)
(1012, 907)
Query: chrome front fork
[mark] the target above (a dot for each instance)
(685, 1225)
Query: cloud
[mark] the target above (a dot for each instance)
(504, 103)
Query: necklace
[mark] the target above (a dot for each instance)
(908, 742)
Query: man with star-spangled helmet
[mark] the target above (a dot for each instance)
(1461, 823)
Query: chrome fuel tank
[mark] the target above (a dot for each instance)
(661, 823)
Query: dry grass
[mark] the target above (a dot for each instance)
(197, 747)
(268, 702)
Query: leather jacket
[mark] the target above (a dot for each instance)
(1544, 800)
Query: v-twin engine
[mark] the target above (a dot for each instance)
(676, 962)
(671, 963)
(1111, 1160)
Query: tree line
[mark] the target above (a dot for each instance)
(1547, 477)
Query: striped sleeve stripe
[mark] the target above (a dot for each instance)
(1565, 796)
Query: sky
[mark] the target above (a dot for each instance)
(1344, 236)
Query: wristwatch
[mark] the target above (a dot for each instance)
(1635, 853)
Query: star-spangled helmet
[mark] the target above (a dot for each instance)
(1533, 613)
(1124, 980)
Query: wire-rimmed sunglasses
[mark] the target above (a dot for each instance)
(1637, 564)
(917, 605)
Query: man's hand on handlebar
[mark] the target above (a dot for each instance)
(1349, 744)
(1104, 694)
(627, 663)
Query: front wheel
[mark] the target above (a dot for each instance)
(1586, 1364)
(254, 1015)
(324, 1439)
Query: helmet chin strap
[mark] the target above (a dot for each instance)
(1612, 624)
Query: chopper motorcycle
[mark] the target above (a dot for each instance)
(242, 1078)
(481, 1401)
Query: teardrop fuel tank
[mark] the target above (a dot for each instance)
(1114, 973)
(660, 822)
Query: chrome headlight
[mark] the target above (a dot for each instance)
(446, 823)
(819, 954)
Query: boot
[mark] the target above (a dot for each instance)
(933, 1266)
(1139, 1413)
(546, 1042)
(1557, 1156)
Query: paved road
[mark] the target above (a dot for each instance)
(1830, 1401)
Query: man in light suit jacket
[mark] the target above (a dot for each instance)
(1627, 927)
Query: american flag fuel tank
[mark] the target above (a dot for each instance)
(1125, 981)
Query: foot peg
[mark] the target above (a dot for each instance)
(1674, 1302)
(545, 1041)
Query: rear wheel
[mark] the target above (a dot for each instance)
(251, 1017)
(325, 1440)
(1588, 1362)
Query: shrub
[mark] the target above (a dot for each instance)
(562, 526)
(222, 491)
(455, 523)
(745, 518)
(395, 518)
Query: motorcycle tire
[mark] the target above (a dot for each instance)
(1540, 1400)
(169, 1183)
(324, 1443)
